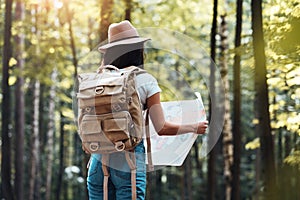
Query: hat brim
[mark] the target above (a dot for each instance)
(103, 48)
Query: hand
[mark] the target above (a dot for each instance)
(201, 127)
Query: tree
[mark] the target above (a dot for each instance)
(6, 188)
(35, 160)
(105, 18)
(61, 156)
(235, 193)
(19, 103)
(53, 34)
(281, 27)
(227, 133)
(128, 9)
(69, 16)
(187, 179)
(263, 128)
(35, 145)
(50, 135)
(212, 154)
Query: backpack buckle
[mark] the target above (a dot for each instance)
(99, 90)
(94, 146)
(88, 109)
(119, 146)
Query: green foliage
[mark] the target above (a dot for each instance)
(254, 144)
(293, 159)
(282, 26)
(46, 29)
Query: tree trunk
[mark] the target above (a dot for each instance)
(257, 188)
(35, 143)
(72, 39)
(105, 18)
(287, 143)
(197, 161)
(6, 188)
(212, 154)
(287, 135)
(227, 133)
(187, 179)
(90, 33)
(76, 151)
(279, 140)
(235, 193)
(262, 102)
(20, 105)
(61, 156)
(128, 9)
(158, 184)
(50, 135)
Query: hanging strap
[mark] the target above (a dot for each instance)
(106, 175)
(149, 155)
(130, 157)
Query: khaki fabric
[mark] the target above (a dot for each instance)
(110, 112)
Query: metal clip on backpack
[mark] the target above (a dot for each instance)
(110, 116)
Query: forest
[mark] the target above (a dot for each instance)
(242, 56)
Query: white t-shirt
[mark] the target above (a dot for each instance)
(147, 86)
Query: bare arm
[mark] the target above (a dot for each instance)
(164, 127)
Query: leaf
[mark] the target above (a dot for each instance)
(65, 83)
(294, 81)
(63, 97)
(274, 80)
(51, 50)
(293, 121)
(255, 121)
(12, 62)
(67, 112)
(293, 159)
(12, 80)
(254, 144)
(296, 95)
(70, 127)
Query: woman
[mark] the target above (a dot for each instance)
(124, 49)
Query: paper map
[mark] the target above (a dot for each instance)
(172, 150)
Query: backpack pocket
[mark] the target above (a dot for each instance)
(107, 133)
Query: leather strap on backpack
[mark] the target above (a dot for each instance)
(130, 157)
(105, 161)
(149, 155)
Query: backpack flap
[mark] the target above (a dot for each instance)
(117, 128)
(95, 86)
(91, 135)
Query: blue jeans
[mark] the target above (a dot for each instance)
(119, 182)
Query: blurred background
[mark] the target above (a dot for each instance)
(255, 46)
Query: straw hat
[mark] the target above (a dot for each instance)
(122, 33)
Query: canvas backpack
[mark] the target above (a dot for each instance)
(110, 116)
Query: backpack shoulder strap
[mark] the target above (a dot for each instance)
(148, 139)
(131, 160)
(105, 160)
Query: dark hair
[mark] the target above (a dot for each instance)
(124, 56)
